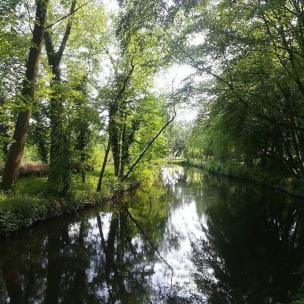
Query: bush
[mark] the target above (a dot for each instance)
(18, 211)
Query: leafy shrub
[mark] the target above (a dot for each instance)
(18, 211)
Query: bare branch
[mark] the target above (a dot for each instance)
(66, 16)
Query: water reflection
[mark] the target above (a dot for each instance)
(192, 239)
(253, 249)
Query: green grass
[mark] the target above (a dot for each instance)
(31, 202)
(32, 185)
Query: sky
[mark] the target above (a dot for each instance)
(172, 78)
(169, 77)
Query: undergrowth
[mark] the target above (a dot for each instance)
(31, 202)
(273, 179)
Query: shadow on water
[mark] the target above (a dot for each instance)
(193, 238)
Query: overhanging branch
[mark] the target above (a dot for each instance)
(148, 146)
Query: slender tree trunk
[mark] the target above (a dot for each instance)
(114, 127)
(83, 169)
(57, 144)
(103, 168)
(4, 131)
(16, 149)
(112, 112)
(124, 149)
(66, 170)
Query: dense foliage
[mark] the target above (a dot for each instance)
(76, 80)
(250, 56)
(82, 117)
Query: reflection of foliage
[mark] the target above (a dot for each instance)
(151, 212)
(251, 251)
(83, 261)
(249, 235)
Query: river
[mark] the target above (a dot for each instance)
(193, 238)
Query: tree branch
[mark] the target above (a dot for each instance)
(148, 146)
(66, 34)
(66, 16)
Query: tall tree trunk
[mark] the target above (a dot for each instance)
(114, 122)
(114, 136)
(39, 135)
(82, 142)
(103, 168)
(124, 149)
(59, 175)
(57, 144)
(126, 142)
(112, 112)
(83, 165)
(16, 149)
(3, 131)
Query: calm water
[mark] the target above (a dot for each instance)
(193, 238)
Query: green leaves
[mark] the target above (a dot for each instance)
(257, 103)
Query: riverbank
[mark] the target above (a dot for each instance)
(182, 223)
(289, 185)
(31, 202)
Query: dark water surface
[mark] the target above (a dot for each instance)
(193, 238)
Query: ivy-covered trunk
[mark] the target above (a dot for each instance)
(39, 134)
(58, 177)
(59, 165)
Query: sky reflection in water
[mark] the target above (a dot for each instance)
(193, 238)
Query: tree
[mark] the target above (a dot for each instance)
(16, 149)
(58, 176)
(255, 105)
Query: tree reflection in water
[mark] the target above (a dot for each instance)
(253, 247)
(192, 239)
(103, 258)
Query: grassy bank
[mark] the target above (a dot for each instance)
(276, 181)
(31, 202)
